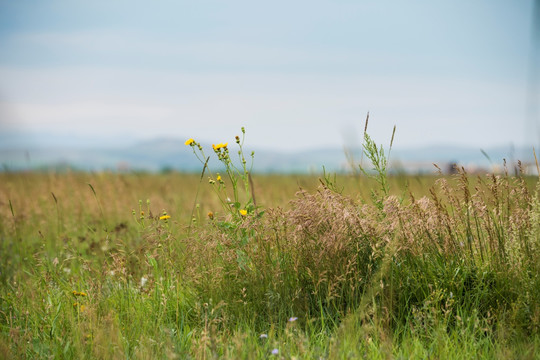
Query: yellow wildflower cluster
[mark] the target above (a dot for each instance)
(219, 146)
(234, 174)
(78, 293)
(164, 217)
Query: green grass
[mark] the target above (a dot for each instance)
(337, 268)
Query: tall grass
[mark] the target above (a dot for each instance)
(382, 267)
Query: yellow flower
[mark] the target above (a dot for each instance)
(189, 141)
(211, 215)
(243, 212)
(164, 217)
(219, 146)
(218, 178)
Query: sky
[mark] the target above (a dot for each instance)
(296, 74)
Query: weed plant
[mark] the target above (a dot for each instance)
(190, 266)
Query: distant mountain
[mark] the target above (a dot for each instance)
(163, 154)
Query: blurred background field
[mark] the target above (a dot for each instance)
(67, 197)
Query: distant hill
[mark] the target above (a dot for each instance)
(163, 154)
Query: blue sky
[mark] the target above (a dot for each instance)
(296, 74)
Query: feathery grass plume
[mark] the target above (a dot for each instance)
(379, 162)
(366, 124)
(391, 143)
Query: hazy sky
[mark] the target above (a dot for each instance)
(296, 74)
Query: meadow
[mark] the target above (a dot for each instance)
(230, 264)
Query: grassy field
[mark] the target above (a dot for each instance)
(227, 265)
